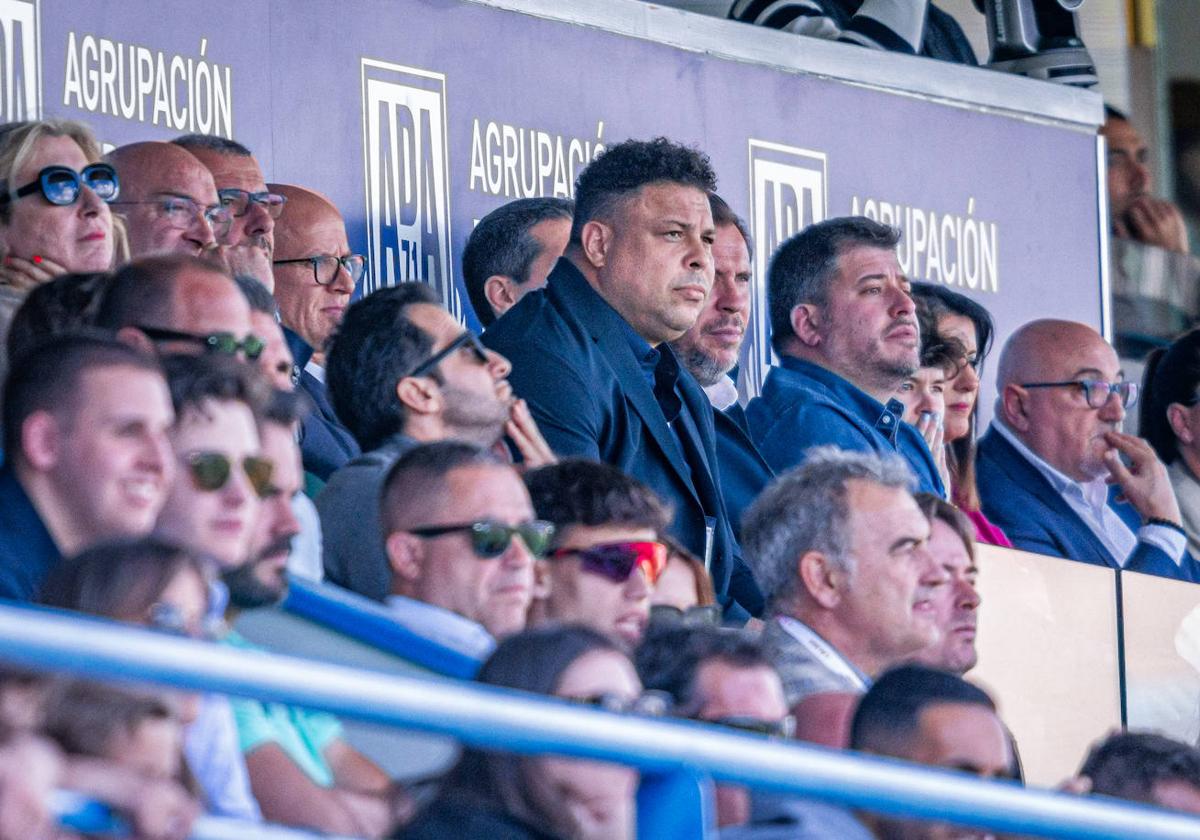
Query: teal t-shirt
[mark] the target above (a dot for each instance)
(303, 735)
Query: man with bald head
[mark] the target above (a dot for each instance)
(178, 304)
(243, 191)
(1055, 446)
(315, 273)
(168, 200)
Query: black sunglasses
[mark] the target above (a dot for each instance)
(490, 539)
(61, 185)
(225, 343)
(784, 728)
(467, 339)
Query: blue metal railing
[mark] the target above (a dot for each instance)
(493, 718)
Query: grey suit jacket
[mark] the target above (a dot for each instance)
(802, 673)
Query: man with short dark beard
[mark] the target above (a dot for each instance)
(301, 769)
(710, 351)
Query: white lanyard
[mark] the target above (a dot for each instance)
(823, 652)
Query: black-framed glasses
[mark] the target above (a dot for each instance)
(225, 343)
(180, 211)
(490, 539)
(468, 339)
(61, 185)
(782, 728)
(325, 266)
(211, 471)
(239, 201)
(707, 615)
(1095, 391)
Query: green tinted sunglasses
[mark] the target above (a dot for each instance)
(490, 539)
(210, 471)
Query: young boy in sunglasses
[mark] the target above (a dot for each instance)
(606, 553)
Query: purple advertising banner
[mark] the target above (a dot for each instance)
(418, 118)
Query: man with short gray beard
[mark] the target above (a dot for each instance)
(845, 328)
(710, 352)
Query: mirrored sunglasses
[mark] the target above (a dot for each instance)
(61, 185)
(223, 342)
(616, 561)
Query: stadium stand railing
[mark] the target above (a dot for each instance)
(677, 758)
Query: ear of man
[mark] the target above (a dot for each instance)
(41, 440)
(1014, 403)
(500, 292)
(821, 579)
(806, 324)
(420, 395)
(595, 240)
(406, 558)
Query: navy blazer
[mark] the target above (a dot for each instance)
(744, 472)
(27, 551)
(573, 363)
(1021, 501)
(325, 444)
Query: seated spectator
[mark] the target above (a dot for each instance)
(54, 214)
(302, 770)
(955, 605)
(710, 351)
(511, 251)
(846, 332)
(139, 730)
(86, 454)
(605, 556)
(168, 201)
(315, 274)
(924, 396)
(591, 353)
(722, 677)
(1170, 421)
(461, 540)
(1136, 214)
(403, 372)
(178, 304)
(957, 321)
(930, 717)
(1046, 463)
(491, 795)
(1145, 767)
(222, 474)
(250, 241)
(839, 547)
(683, 589)
(157, 585)
(915, 27)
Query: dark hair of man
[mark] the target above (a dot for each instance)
(934, 302)
(532, 661)
(120, 579)
(576, 491)
(723, 215)
(1111, 113)
(143, 291)
(257, 295)
(419, 476)
(803, 267)
(62, 304)
(222, 145)
(935, 507)
(1172, 376)
(194, 380)
(286, 408)
(82, 717)
(627, 167)
(49, 377)
(502, 244)
(1128, 765)
(889, 714)
(670, 657)
(376, 346)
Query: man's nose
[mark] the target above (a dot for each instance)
(498, 364)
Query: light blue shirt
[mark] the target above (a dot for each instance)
(447, 628)
(214, 756)
(1089, 501)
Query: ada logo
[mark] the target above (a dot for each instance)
(788, 192)
(407, 179)
(20, 61)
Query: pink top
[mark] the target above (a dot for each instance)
(985, 531)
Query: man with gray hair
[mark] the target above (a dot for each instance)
(250, 242)
(511, 251)
(838, 547)
(845, 328)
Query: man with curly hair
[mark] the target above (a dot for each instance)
(590, 353)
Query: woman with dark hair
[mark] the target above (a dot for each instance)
(495, 796)
(955, 317)
(1170, 420)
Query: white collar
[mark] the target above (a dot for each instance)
(1093, 493)
(829, 656)
(722, 394)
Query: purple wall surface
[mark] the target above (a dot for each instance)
(419, 117)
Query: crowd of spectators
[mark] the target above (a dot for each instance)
(196, 414)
